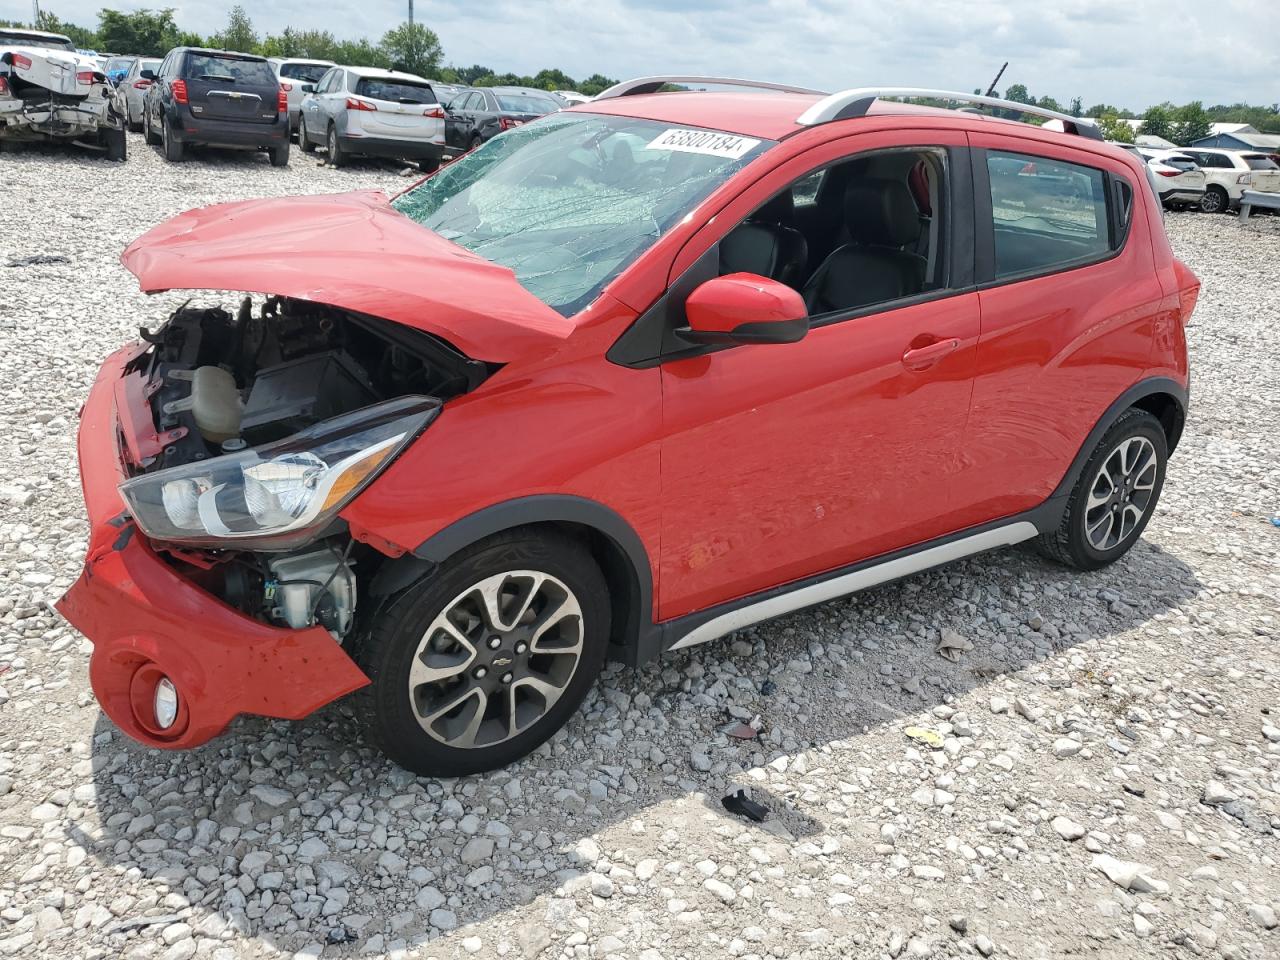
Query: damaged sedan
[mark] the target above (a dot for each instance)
(49, 92)
(618, 382)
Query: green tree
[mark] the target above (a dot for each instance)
(414, 48)
(150, 33)
(470, 75)
(82, 37)
(553, 80)
(1017, 92)
(1190, 122)
(1113, 128)
(1158, 122)
(360, 53)
(594, 84)
(1048, 103)
(238, 34)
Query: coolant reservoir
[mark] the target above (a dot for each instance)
(216, 404)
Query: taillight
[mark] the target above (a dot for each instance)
(354, 104)
(4, 87)
(141, 84)
(179, 91)
(435, 113)
(506, 123)
(286, 87)
(1245, 178)
(84, 78)
(282, 98)
(1169, 173)
(21, 62)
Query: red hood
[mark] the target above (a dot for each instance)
(352, 251)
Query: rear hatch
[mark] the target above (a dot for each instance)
(231, 86)
(54, 70)
(398, 108)
(1265, 175)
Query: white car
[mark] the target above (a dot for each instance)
(48, 91)
(1179, 179)
(572, 97)
(373, 113)
(1228, 173)
(133, 88)
(293, 73)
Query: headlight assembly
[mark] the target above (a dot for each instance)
(281, 494)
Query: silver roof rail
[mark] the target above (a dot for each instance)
(654, 84)
(856, 103)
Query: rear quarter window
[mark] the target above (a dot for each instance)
(1047, 214)
(306, 72)
(1259, 162)
(524, 103)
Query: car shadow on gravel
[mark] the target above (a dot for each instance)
(825, 682)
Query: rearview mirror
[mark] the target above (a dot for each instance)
(148, 75)
(744, 308)
(308, 88)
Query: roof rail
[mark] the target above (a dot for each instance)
(654, 84)
(856, 103)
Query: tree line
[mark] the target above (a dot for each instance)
(411, 47)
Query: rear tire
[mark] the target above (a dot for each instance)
(456, 690)
(1215, 200)
(429, 166)
(304, 142)
(1114, 496)
(116, 142)
(133, 125)
(280, 155)
(173, 149)
(337, 158)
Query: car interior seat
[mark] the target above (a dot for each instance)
(767, 245)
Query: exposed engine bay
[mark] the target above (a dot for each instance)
(264, 398)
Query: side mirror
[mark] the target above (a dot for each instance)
(744, 308)
(308, 88)
(148, 75)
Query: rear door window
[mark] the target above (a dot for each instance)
(1047, 214)
(306, 72)
(395, 91)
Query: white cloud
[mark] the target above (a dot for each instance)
(1131, 54)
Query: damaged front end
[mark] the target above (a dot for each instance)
(216, 458)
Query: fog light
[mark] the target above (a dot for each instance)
(166, 704)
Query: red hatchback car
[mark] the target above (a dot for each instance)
(619, 382)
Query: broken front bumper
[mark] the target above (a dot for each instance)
(148, 623)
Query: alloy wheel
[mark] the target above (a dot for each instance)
(1211, 202)
(1121, 493)
(496, 659)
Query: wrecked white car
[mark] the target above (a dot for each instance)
(50, 92)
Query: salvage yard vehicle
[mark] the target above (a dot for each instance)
(1179, 179)
(294, 74)
(484, 112)
(215, 98)
(370, 112)
(1229, 173)
(49, 92)
(133, 90)
(621, 381)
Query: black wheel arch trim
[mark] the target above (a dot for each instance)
(1132, 397)
(635, 636)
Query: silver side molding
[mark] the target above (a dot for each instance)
(1005, 536)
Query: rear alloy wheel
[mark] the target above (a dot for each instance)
(1215, 200)
(1114, 497)
(515, 634)
(173, 149)
(336, 157)
(304, 142)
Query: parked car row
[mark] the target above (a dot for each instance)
(1211, 179)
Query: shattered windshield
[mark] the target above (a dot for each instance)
(568, 201)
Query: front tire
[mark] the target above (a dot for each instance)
(1215, 200)
(483, 661)
(1114, 497)
(304, 142)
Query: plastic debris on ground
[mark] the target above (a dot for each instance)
(739, 804)
(951, 645)
(926, 736)
(37, 260)
(743, 731)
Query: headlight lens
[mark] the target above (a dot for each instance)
(281, 494)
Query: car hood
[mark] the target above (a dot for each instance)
(352, 251)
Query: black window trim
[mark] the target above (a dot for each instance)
(635, 347)
(985, 231)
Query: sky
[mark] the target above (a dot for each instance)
(1131, 54)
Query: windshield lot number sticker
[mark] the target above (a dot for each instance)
(703, 141)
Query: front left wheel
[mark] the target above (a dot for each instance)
(482, 662)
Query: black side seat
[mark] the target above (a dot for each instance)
(882, 219)
(766, 245)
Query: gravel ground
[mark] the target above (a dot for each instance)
(1108, 783)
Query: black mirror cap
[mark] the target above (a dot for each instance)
(774, 331)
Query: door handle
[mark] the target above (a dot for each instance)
(922, 358)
